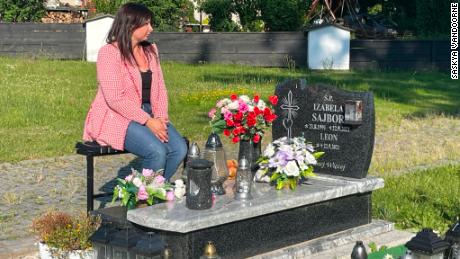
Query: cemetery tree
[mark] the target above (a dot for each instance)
(432, 18)
(107, 6)
(21, 11)
(220, 14)
(283, 15)
(168, 15)
(426, 18)
(248, 11)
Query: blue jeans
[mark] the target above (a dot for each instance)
(157, 155)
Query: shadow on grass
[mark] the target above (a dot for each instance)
(428, 92)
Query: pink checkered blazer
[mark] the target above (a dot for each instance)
(119, 98)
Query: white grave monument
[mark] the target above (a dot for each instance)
(97, 30)
(329, 47)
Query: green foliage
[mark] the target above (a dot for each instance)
(395, 252)
(108, 6)
(21, 10)
(374, 248)
(426, 18)
(276, 15)
(220, 12)
(283, 15)
(433, 18)
(425, 199)
(247, 11)
(376, 9)
(168, 14)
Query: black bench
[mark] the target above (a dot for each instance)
(90, 150)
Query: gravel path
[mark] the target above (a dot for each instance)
(30, 188)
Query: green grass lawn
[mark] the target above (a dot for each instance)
(427, 198)
(44, 102)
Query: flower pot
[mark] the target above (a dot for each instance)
(250, 150)
(47, 252)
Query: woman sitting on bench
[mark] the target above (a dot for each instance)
(130, 110)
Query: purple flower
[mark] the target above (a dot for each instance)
(280, 159)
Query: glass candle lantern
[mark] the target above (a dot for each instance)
(243, 180)
(214, 152)
(100, 240)
(122, 242)
(453, 237)
(210, 252)
(150, 246)
(359, 251)
(427, 245)
(192, 154)
(198, 187)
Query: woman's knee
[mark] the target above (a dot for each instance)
(181, 148)
(156, 152)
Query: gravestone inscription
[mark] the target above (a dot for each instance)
(340, 123)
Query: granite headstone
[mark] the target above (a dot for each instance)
(340, 123)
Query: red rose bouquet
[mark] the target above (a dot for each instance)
(243, 118)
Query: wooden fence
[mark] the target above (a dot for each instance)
(277, 49)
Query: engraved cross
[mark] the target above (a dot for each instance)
(290, 107)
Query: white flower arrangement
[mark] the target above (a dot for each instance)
(287, 161)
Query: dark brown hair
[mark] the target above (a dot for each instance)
(129, 17)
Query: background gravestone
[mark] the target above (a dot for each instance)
(340, 123)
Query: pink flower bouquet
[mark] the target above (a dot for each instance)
(149, 187)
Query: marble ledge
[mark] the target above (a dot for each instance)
(176, 217)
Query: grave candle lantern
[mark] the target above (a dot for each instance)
(453, 237)
(149, 246)
(210, 251)
(243, 181)
(359, 251)
(427, 245)
(192, 154)
(100, 240)
(199, 196)
(214, 152)
(122, 243)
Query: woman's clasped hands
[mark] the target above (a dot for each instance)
(159, 127)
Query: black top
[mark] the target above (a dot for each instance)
(146, 84)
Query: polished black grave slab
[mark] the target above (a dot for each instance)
(273, 231)
(272, 220)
